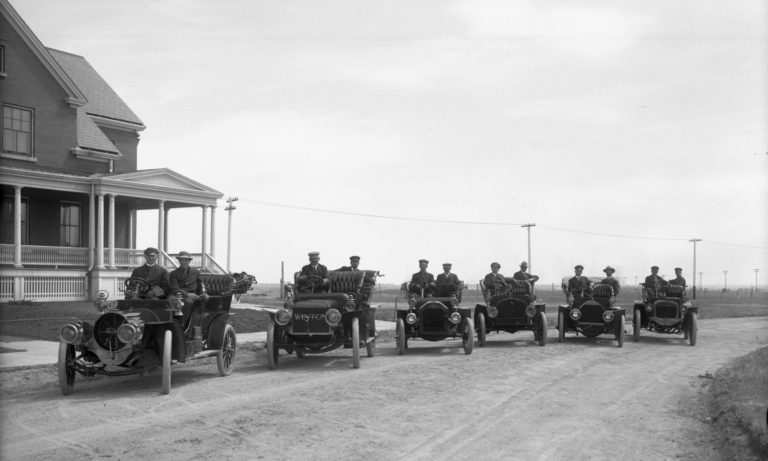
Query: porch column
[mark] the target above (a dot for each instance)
(206, 237)
(91, 229)
(100, 233)
(213, 231)
(165, 233)
(160, 224)
(132, 229)
(17, 226)
(112, 231)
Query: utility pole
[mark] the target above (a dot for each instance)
(701, 284)
(694, 240)
(230, 207)
(725, 281)
(530, 264)
(756, 271)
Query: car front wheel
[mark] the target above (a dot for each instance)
(481, 332)
(272, 349)
(355, 342)
(636, 325)
(561, 327)
(167, 349)
(693, 329)
(66, 368)
(542, 329)
(400, 336)
(468, 339)
(225, 358)
(620, 332)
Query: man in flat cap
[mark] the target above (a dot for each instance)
(186, 279)
(494, 281)
(313, 276)
(354, 262)
(578, 285)
(523, 274)
(447, 283)
(654, 283)
(678, 280)
(609, 280)
(422, 280)
(155, 275)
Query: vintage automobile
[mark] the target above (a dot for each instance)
(591, 312)
(324, 319)
(666, 310)
(132, 336)
(433, 318)
(512, 309)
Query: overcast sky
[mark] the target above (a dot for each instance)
(435, 129)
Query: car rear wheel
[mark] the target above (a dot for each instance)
(370, 347)
(481, 329)
(66, 368)
(167, 349)
(620, 332)
(636, 325)
(272, 349)
(355, 342)
(468, 339)
(542, 329)
(400, 337)
(561, 327)
(225, 358)
(693, 329)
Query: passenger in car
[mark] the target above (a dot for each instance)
(523, 274)
(155, 275)
(422, 280)
(313, 276)
(679, 280)
(354, 263)
(186, 278)
(609, 280)
(447, 283)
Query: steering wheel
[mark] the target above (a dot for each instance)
(134, 286)
(314, 280)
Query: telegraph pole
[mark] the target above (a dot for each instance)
(230, 207)
(694, 240)
(725, 280)
(530, 264)
(756, 271)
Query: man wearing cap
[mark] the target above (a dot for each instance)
(653, 282)
(678, 280)
(155, 275)
(186, 279)
(422, 280)
(354, 262)
(523, 274)
(313, 276)
(447, 283)
(494, 281)
(609, 280)
(578, 285)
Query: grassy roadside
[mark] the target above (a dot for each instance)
(738, 399)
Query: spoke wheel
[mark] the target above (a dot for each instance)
(468, 339)
(400, 336)
(693, 327)
(481, 332)
(66, 368)
(355, 342)
(370, 347)
(636, 325)
(167, 349)
(272, 349)
(561, 326)
(225, 358)
(620, 333)
(542, 329)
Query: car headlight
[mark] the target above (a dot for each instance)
(493, 312)
(129, 333)
(71, 333)
(349, 306)
(411, 318)
(608, 315)
(530, 311)
(282, 317)
(333, 317)
(455, 318)
(649, 308)
(576, 313)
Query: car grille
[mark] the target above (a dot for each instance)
(433, 316)
(511, 309)
(105, 331)
(591, 313)
(309, 320)
(665, 310)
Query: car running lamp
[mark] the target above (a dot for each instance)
(454, 301)
(71, 333)
(608, 315)
(530, 311)
(101, 299)
(412, 302)
(178, 302)
(349, 306)
(288, 299)
(493, 312)
(333, 317)
(685, 306)
(649, 308)
(576, 313)
(282, 317)
(130, 333)
(410, 319)
(455, 318)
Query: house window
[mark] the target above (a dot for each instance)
(17, 130)
(2, 62)
(70, 224)
(6, 230)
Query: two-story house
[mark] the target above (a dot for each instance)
(69, 182)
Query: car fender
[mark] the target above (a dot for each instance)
(216, 328)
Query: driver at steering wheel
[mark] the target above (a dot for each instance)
(155, 275)
(313, 276)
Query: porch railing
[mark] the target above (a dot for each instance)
(45, 255)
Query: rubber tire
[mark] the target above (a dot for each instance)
(66, 368)
(400, 337)
(481, 332)
(355, 342)
(620, 333)
(636, 325)
(468, 338)
(167, 351)
(543, 329)
(225, 358)
(272, 351)
(561, 323)
(370, 347)
(693, 327)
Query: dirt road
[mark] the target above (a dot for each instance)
(511, 399)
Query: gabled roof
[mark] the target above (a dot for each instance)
(163, 177)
